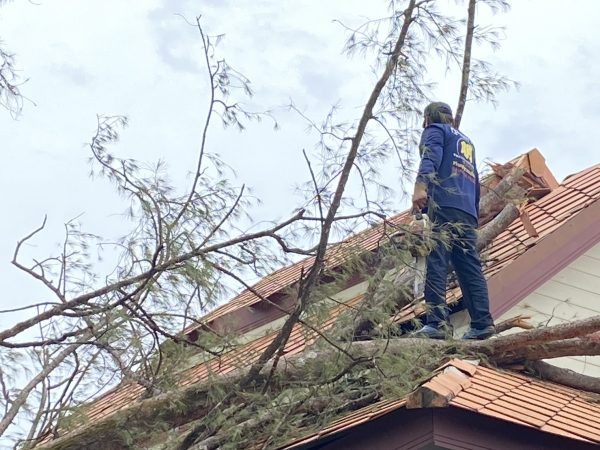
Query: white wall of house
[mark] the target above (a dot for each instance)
(573, 293)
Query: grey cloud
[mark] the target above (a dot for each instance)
(521, 131)
(74, 74)
(322, 86)
(590, 106)
(527, 126)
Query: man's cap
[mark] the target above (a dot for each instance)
(438, 112)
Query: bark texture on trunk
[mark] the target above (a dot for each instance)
(508, 189)
(487, 233)
(566, 377)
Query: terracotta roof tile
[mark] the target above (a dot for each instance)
(445, 388)
(586, 407)
(501, 416)
(491, 391)
(538, 391)
(577, 416)
(366, 241)
(523, 408)
(576, 427)
(461, 381)
(559, 431)
(536, 403)
(474, 398)
(461, 365)
(516, 405)
(513, 414)
(482, 394)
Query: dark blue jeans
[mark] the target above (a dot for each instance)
(459, 246)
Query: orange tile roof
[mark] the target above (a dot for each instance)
(504, 395)
(536, 174)
(242, 356)
(286, 276)
(546, 214)
(528, 401)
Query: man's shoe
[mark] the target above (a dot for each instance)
(429, 332)
(476, 334)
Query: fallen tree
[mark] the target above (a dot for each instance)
(271, 395)
(191, 411)
(193, 403)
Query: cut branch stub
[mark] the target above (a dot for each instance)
(486, 234)
(497, 197)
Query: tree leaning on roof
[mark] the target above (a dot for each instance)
(183, 246)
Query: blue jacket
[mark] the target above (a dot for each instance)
(449, 170)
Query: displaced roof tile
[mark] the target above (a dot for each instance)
(463, 365)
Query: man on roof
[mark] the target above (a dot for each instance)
(447, 187)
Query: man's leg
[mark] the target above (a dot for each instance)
(467, 264)
(435, 279)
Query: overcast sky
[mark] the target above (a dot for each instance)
(140, 59)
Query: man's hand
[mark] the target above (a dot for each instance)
(419, 198)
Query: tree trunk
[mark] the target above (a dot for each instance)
(486, 234)
(519, 321)
(496, 198)
(466, 66)
(566, 377)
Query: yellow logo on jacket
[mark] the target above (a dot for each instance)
(466, 150)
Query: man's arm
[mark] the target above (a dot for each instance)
(433, 150)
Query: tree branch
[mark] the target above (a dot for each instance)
(307, 284)
(466, 66)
